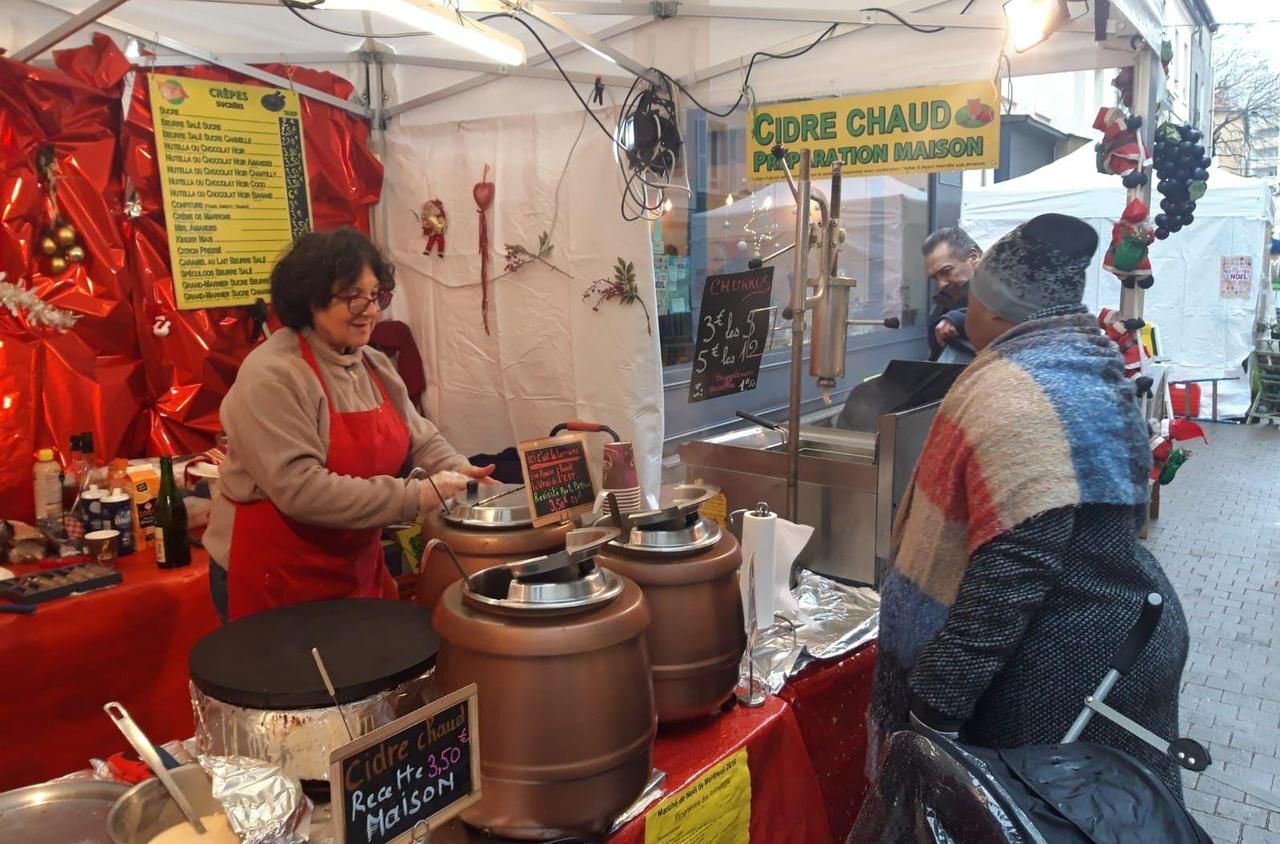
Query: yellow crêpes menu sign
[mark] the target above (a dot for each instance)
(235, 185)
(915, 130)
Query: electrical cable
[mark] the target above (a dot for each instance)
(746, 80)
(556, 62)
(927, 30)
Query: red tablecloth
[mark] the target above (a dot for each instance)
(786, 803)
(128, 643)
(830, 704)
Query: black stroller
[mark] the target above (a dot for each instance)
(932, 790)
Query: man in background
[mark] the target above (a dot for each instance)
(950, 259)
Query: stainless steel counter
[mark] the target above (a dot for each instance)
(850, 484)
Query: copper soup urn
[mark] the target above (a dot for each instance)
(485, 527)
(567, 719)
(687, 568)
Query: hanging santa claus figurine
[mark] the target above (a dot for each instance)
(1131, 237)
(1166, 458)
(1124, 333)
(434, 224)
(1120, 152)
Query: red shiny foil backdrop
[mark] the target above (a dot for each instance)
(139, 393)
(192, 367)
(90, 378)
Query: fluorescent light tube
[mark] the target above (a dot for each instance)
(445, 22)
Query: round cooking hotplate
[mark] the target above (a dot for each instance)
(264, 661)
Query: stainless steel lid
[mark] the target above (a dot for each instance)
(565, 580)
(59, 812)
(675, 527)
(502, 507)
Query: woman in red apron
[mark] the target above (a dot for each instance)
(320, 430)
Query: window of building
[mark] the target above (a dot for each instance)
(727, 221)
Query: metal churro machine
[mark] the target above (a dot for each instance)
(845, 477)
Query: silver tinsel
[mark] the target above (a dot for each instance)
(38, 312)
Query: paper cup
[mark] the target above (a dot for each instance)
(104, 546)
(619, 467)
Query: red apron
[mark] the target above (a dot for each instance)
(276, 561)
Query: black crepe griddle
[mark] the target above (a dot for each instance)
(903, 385)
(264, 661)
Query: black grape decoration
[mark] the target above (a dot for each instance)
(1182, 174)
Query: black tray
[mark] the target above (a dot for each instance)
(57, 583)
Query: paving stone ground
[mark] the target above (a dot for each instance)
(1218, 537)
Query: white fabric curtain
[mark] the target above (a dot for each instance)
(550, 357)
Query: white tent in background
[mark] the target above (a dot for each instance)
(1203, 334)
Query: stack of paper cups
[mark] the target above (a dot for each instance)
(759, 541)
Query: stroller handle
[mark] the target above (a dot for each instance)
(1127, 656)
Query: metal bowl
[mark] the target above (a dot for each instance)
(146, 810)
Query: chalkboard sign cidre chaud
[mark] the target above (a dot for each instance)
(407, 778)
(733, 327)
(557, 478)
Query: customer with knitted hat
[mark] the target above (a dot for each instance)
(1017, 569)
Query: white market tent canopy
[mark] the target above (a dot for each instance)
(1203, 334)
(703, 43)
(440, 114)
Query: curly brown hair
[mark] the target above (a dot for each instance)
(320, 266)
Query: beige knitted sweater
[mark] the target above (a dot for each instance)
(277, 425)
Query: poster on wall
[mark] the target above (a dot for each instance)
(914, 130)
(1236, 278)
(235, 185)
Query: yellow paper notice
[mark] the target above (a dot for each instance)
(717, 510)
(235, 185)
(916, 130)
(714, 809)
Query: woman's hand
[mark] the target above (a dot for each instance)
(480, 473)
(448, 484)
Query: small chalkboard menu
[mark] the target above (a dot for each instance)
(402, 780)
(733, 327)
(557, 478)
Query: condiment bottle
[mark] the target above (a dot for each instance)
(48, 492)
(118, 475)
(172, 550)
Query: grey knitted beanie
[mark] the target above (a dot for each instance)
(1040, 264)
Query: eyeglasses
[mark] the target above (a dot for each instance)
(358, 304)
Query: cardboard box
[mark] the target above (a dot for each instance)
(146, 489)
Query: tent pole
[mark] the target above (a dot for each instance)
(1147, 96)
(66, 29)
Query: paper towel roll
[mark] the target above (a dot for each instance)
(759, 543)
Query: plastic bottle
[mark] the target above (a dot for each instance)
(118, 475)
(48, 492)
(74, 474)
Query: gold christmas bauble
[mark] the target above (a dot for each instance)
(65, 235)
(48, 245)
(57, 265)
(75, 255)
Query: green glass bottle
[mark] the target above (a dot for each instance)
(172, 550)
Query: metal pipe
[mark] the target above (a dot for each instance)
(829, 339)
(798, 291)
(65, 30)
(1146, 98)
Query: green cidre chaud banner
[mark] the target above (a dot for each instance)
(914, 130)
